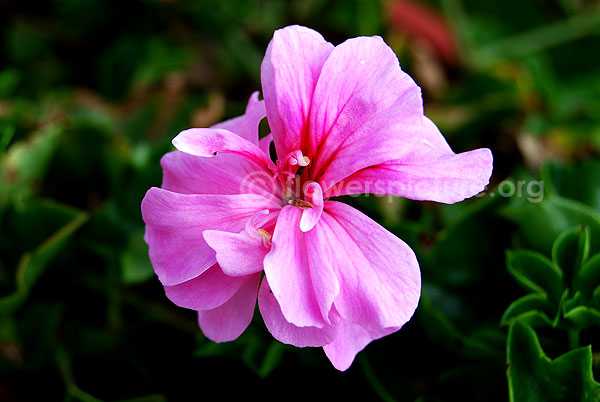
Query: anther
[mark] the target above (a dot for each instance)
(266, 237)
(300, 204)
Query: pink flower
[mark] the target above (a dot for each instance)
(344, 120)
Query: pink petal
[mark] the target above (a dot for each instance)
(300, 272)
(207, 291)
(208, 142)
(430, 171)
(380, 282)
(313, 193)
(351, 339)
(238, 253)
(246, 126)
(175, 222)
(288, 333)
(364, 109)
(242, 253)
(289, 72)
(227, 322)
(223, 174)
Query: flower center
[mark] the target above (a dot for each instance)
(289, 176)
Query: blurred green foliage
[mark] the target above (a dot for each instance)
(92, 92)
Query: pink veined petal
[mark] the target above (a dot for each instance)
(208, 142)
(234, 160)
(175, 222)
(364, 109)
(223, 174)
(380, 282)
(313, 193)
(300, 272)
(207, 291)
(289, 72)
(351, 339)
(430, 171)
(241, 254)
(246, 126)
(288, 333)
(228, 321)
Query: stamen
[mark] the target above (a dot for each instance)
(301, 204)
(266, 237)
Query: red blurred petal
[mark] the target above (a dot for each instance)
(420, 21)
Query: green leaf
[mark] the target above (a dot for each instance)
(589, 276)
(532, 376)
(564, 301)
(583, 317)
(9, 80)
(161, 58)
(259, 356)
(38, 328)
(135, 264)
(596, 296)
(74, 393)
(453, 257)
(535, 272)
(570, 250)
(8, 328)
(541, 223)
(531, 308)
(537, 39)
(6, 134)
(569, 303)
(213, 349)
(441, 329)
(578, 182)
(33, 264)
(23, 165)
(270, 361)
(436, 323)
